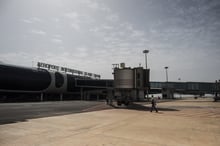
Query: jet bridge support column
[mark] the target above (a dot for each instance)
(61, 96)
(41, 96)
(81, 93)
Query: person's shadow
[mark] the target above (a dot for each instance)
(140, 107)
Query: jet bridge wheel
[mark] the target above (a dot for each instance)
(119, 103)
(126, 103)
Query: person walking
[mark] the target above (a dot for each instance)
(153, 105)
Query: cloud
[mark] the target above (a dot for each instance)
(74, 19)
(107, 27)
(35, 19)
(57, 20)
(81, 52)
(112, 18)
(32, 20)
(94, 30)
(96, 5)
(90, 35)
(93, 4)
(38, 32)
(27, 21)
(72, 15)
(75, 26)
(18, 58)
(57, 36)
(56, 40)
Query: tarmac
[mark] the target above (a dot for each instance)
(188, 122)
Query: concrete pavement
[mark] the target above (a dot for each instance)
(18, 112)
(179, 123)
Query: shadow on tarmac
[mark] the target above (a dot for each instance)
(22, 113)
(140, 107)
(197, 101)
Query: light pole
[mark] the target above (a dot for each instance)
(145, 52)
(167, 92)
(166, 67)
(180, 90)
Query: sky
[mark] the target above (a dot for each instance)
(91, 35)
